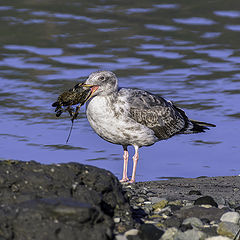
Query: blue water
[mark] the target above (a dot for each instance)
(187, 52)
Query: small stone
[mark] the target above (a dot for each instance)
(131, 232)
(227, 229)
(172, 222)
(166, 210)
(140, 200)
(221, 206)
(193, 221)
(169, 234)
(192, 234)
(149, 232)
(160, 205)
(230, 217)
(117, 220)
(206, 205)
(218, 238)
(120, 237)
(156, 199)
(206, 200)
(175, 203)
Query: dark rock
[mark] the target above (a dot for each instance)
(210, 231)
(174, 207)
(62, 201)
(206, 200)
(149, 232)
(194, 192)
(212, 214)
(172, 222)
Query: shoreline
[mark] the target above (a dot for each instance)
(68, 200)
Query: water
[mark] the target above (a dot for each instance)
(186, 51)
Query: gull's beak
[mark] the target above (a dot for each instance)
(93, 88)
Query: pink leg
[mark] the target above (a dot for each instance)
(135, 160)
(125, 158)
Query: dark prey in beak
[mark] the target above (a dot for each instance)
(77, 95)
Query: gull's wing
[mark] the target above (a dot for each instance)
(156, 113)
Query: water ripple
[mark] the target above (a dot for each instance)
(162, 27)
(36, 50)
(229, 13)
(194, 21)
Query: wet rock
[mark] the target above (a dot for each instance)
(206, 200)
(55, 219)
(227, 229)
(230, 217)
(62, 201)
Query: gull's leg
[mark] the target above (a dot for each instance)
(125, 158)
(135, 160)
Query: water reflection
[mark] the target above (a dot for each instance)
(187, 52)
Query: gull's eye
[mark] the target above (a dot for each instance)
(101, 78)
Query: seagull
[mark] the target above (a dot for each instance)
(133, 117)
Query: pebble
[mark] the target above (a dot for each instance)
(227, 229)
(230, 217)
(156, 199)
(120, 237)
(169, 234)
(140, 200)
(218, 238)
(194, 222)
(190, 235)
(131, 232)
(117, 219)
(160, 205)
(185, 219)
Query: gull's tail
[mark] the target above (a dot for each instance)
(198, 126)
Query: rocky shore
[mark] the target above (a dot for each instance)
(74, 201)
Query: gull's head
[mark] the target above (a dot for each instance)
(105, 82)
